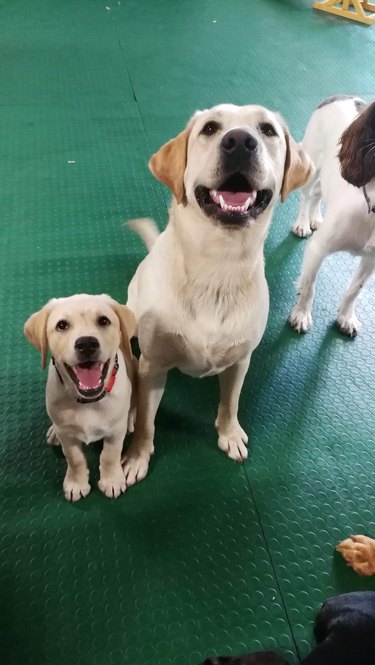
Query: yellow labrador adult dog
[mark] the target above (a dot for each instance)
(200, 297)
(89, 385)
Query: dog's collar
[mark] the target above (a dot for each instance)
(371, 208)
(107, 389)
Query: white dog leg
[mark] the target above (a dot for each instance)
(315, 213)
(76, 482)
(151, 384)
(112, 480)
(309, 214)
(300, 318)
(346, 318)
(232, 438)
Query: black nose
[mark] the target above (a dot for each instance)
(239, 143)
(86, 346)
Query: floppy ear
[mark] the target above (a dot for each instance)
(35, 330)
(127, 327)
(169, 162)
(356, 157)
(298, 166)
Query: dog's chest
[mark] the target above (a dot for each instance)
(91, 427)
(85, 423)
(201, 345)
(210, 356)
(89, 423)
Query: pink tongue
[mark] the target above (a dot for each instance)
(89, 377)
(235, 198)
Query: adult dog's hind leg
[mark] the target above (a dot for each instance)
(151, 384)
(315, 212)
(309, 214)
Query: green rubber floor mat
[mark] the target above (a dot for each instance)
(204, 556)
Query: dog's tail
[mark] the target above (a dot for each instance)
(146, 229)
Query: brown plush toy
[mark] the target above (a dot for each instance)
(359, 553)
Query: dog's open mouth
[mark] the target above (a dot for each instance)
(88, 377)
(235, 202)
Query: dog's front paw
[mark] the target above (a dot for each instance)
(75, 487)
(348, 325)
(52, 438)
(135, 467)
(112, 484)
(359, 553)
(300, 320)
(233, 441)
(302, 228)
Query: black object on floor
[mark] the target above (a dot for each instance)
(258, 658)
(344, 631)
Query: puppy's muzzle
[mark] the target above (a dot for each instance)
(237, 148)
(86, 348)
(88, 374)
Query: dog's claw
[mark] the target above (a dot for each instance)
(233, 441)
(348, 325)
(300, 321)
(52, 438)
(135, 468)
(113, 485)
(74, 490)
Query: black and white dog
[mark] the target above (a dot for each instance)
(344, 180)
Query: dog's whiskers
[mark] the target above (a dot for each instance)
(367, 144)
(370, 154)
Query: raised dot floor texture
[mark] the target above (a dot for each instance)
(204, 556)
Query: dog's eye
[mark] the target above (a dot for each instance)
(62, 325)
(267, 129)
(103, 321)
(210, 128)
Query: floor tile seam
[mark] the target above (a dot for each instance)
(273, 566)
(135, 98)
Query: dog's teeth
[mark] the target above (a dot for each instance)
(222, 204)
(248, 202)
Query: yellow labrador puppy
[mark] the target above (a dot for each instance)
(200, 297)
(89, 385)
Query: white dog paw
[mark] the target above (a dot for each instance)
(135, 467)
(300, 320)
(233, 442)
(302, 228)
(315, 223)
(348, 325)
(113, 485)
(75, 489)
(52, 438)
